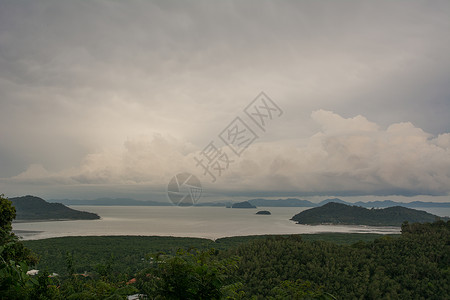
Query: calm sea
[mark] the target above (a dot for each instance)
(205, 222)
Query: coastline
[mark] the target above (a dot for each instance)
(49, 220)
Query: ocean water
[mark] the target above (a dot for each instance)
(204, 222)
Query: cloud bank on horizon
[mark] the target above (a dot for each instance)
(103, 95)
(348, 156)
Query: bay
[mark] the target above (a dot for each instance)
(203, 222)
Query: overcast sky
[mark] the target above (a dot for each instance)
(113, 98)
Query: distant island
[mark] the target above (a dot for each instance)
(342, 214)
(244, 204)
(263, 212)
(289, 202)
(31, 208)
(292, 202)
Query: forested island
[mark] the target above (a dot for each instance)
(342, 214)
(31, 208)
(244, 204)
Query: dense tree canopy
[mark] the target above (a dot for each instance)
(414, 266)
(14, 257)
(7, 215)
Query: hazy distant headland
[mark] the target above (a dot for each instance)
(259, 202)
(295, 202)
(110, 202)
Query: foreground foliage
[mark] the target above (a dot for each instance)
(14, 257)
(189, 275)
(414, 266)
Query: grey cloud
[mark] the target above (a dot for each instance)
(77, 78)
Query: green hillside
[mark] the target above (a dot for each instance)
(337, 213)
(34, 208)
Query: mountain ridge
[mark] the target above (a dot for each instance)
(259, 202)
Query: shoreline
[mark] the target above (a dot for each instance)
(20, 221)
(31, 233)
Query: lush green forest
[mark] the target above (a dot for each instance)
(126, 253)
(338, 213)
(413, 265)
